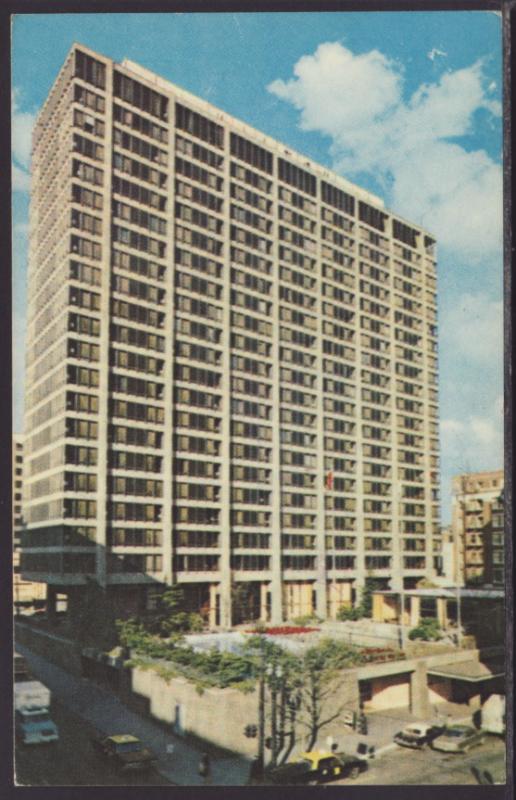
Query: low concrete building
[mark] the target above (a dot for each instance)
(481, 611)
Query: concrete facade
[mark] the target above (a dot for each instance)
(477, 530)
(25, 593)
(231, 360)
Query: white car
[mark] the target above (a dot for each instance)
(418, 734)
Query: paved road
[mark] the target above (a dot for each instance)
(97, 707)
(402, 766)
(72, 761)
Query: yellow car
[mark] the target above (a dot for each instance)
(124, 750)
(317, 766)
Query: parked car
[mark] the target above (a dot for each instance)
(317, 766)
(124, 750)
(418, 734)
(458, 739)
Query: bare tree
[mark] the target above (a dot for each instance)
(323, 679)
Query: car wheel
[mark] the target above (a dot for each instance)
(354, 773)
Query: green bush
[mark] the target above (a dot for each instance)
(307, 619)
(428, 629)
(349, 612)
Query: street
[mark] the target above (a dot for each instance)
(403, 766)
(72, 761)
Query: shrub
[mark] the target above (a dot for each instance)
(307, 619)
(349, 612)
(428, 629)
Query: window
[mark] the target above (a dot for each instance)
(337, 198)
(251, 153)
(297, 177)
(199, 126)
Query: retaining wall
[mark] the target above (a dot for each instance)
(63, 652)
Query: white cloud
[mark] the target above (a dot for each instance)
(473, 330)
(20, 179)
(409, 146)
(21, 139)
(434, 52)
(22, 126)
(475, 442)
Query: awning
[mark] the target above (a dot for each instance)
(470, 671)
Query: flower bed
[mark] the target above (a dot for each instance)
(284, 630)
(379, 654)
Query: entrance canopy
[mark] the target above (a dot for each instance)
(470, 671)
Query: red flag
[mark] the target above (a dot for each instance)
(329, 480)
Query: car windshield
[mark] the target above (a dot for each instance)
(37, 718)
(128, 747)
(456, 733)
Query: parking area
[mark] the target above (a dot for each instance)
(403, 766)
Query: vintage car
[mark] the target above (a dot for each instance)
(418, 734)
(458, 739)
(316, 766)
(126, 751)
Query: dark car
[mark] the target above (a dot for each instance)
(316, 767)
(124, 750)
(418, 734)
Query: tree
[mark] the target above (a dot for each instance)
(366, 601)
(170, 618)
(428, 629)
(322, 680)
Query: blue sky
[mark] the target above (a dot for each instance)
(405, 104)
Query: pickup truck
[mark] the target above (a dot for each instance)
(316, 766)
(32, 721)
(125, 751)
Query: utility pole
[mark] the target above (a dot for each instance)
(261, 710)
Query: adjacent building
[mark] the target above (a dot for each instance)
(478, 527)
(25, 593)
(231, 361)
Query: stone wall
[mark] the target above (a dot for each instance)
(218, 716)
(63, 652)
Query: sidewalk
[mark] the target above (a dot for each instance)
(106, 712)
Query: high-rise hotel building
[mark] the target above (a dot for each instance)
(232, 361)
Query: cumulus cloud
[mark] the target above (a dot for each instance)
(22, 124)
(473, 329)
(474, 442)
(20, 179)
(408, 145)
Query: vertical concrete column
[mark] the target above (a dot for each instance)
(378, 608)
(212, 620)
(105, 312)
(442, 616)
(168, 372)
(264, 589)
(419, 699)
(321, 574)
(225, 392)
(51, 601)
(415, 606)
(277, 610)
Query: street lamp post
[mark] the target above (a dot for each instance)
(261, 711)
(275, 673)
